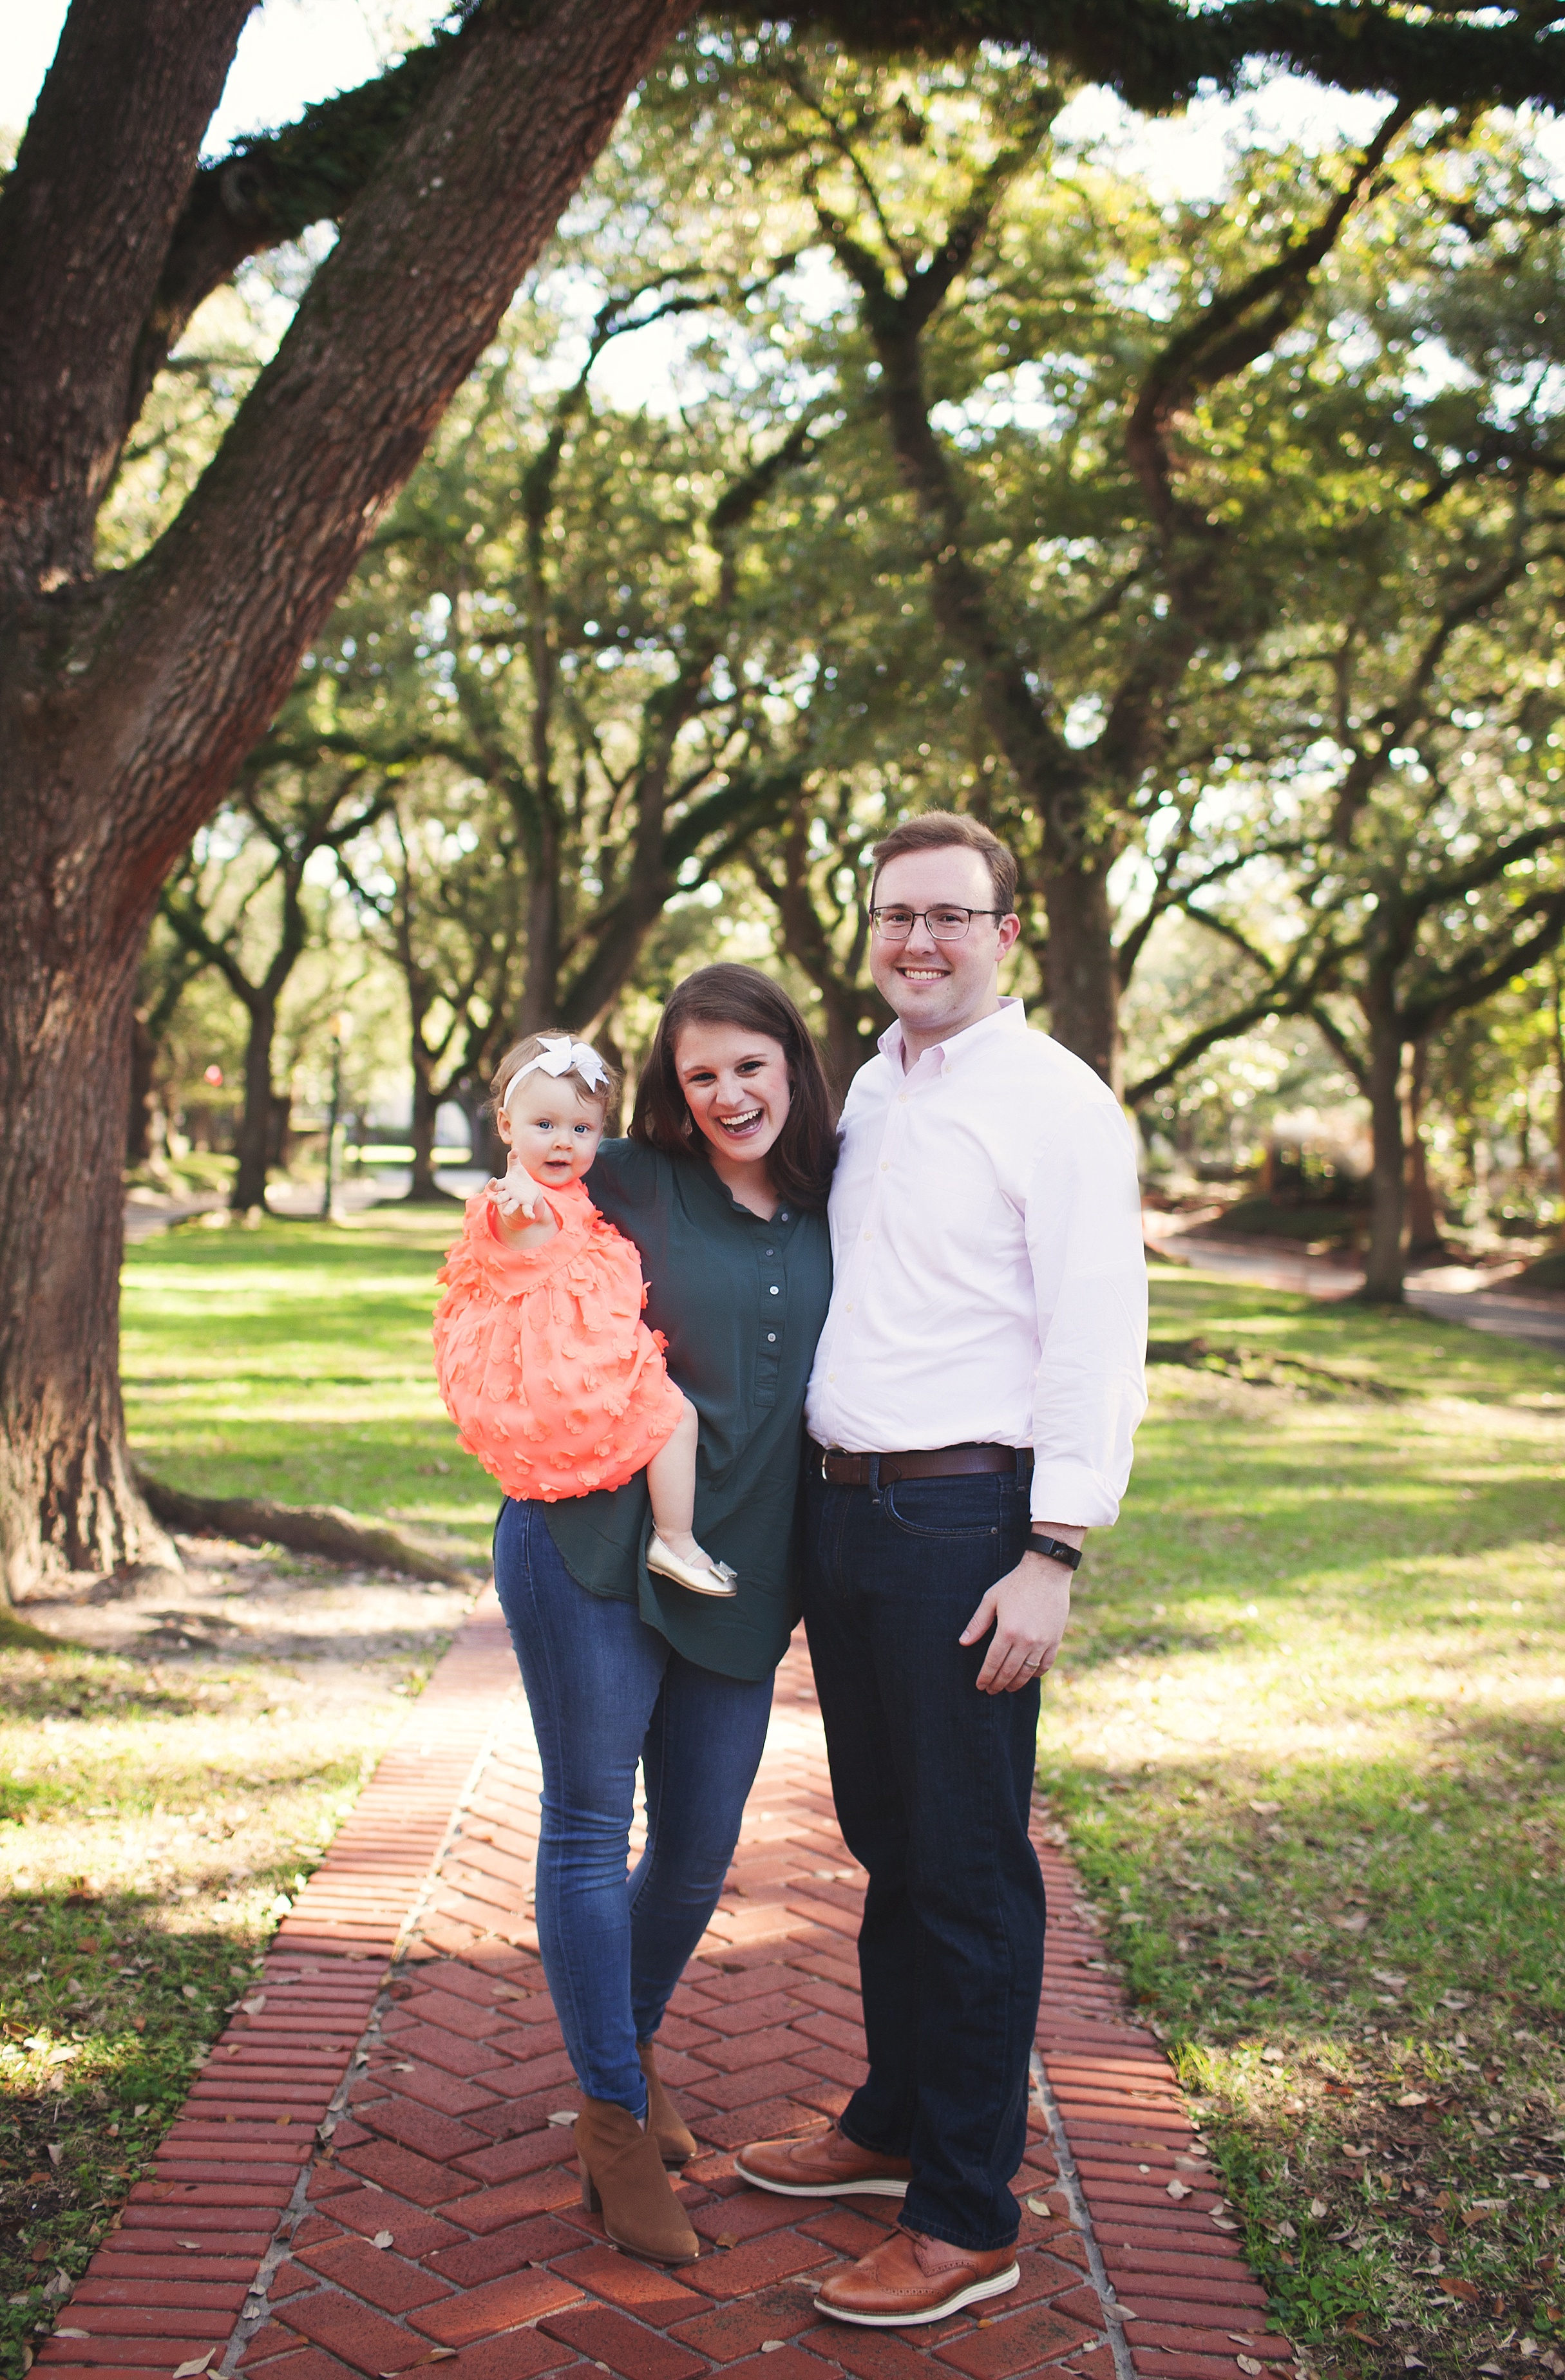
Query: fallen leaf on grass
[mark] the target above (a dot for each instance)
(1413, 2099)
(1355, 1924)
(1318, 2207)
(1456, 1999)
(1462, 2290)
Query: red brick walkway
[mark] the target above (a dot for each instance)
(374, 2172)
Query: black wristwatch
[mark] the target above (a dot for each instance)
(1056, 1548)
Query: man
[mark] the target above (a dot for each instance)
(973, 1401)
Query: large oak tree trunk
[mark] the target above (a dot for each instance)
(67, 1497)
(128, 701)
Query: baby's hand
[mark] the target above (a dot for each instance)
(517, 1193)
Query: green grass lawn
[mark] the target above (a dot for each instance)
(295, 1362)
(1306, 1741)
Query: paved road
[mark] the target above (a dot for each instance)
(1537, 1321)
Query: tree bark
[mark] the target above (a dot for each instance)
(1080, 971)
(126, 702)
(143, 1065)
(67, 1497)
(254, 1138)
(423, 1189)
(309, 1528)
(1423, 1217)
(1388, 1259)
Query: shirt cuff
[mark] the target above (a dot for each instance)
(1073, 1495)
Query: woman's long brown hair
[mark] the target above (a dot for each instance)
(803, 1155)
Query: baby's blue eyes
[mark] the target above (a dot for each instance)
(545, 1124)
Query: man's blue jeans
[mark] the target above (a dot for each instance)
(606, 1691)
(933, 1782)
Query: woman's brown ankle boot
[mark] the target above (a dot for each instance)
(622, 2174)
(675, 2141)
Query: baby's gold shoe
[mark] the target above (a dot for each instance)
(715, 1579)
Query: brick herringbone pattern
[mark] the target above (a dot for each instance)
(374, 2172)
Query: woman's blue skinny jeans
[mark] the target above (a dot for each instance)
(607, 1692)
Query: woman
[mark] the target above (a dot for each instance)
(722, 1187)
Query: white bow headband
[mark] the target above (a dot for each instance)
(560, 1055)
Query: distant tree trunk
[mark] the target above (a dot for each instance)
(143, 1059)
(1424, 1237)
(280, 1128)
(1559, 1086)
(253, 1138)
(1387, 1264)
(425, 1108)
(1080, 972)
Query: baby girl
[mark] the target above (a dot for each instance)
(552, 1379)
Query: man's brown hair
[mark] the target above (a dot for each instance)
(945, 830)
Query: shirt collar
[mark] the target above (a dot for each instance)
(1008, 1017)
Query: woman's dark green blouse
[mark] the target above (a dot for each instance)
(741, 1303)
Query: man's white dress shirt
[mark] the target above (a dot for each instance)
(989, 1282)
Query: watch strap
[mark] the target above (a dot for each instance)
(1055, 1549)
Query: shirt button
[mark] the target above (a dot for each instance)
(885, 1165)
(772, 1338)
(901, 1099)
(774, 1289)
(783, 1216)
(869, 1235)
(847, 1309)
(768, 1252)
(831, 1376)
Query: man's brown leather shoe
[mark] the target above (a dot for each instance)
(910, 2278)
(822, 2164)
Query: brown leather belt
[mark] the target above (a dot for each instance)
(840, 1470)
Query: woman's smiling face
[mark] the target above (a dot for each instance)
(735, 1084)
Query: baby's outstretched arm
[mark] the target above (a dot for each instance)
(524, 1215)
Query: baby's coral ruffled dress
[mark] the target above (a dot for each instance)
(552, 1379)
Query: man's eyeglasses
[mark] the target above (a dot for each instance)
(946, 924)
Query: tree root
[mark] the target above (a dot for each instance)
(304, 1528)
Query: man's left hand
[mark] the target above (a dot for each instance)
(1028, 1609)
